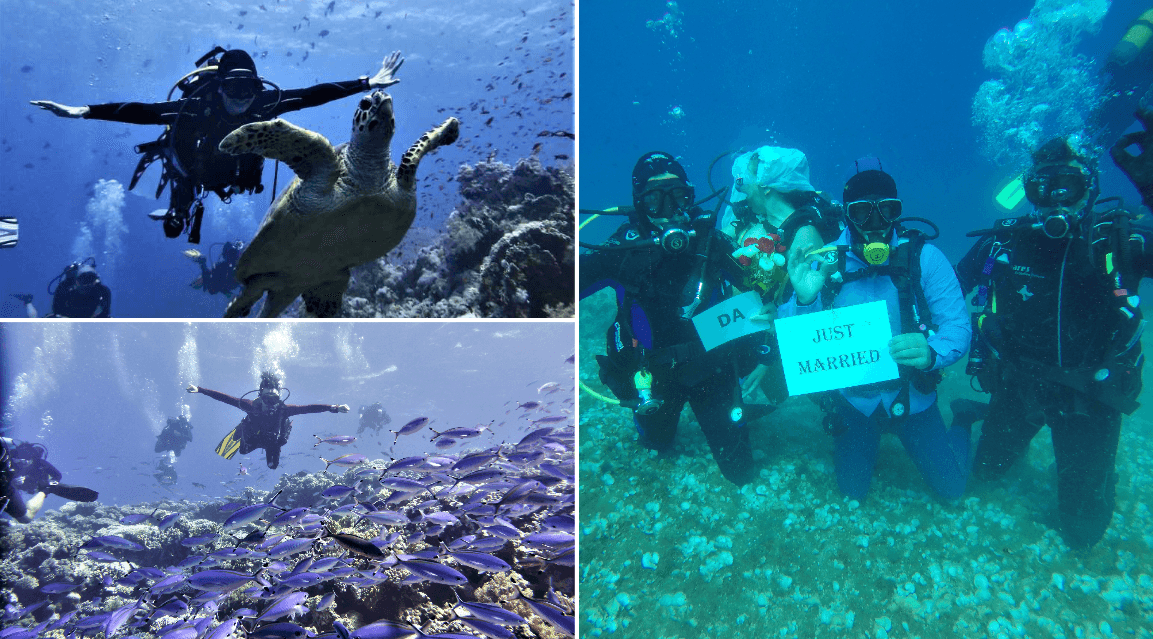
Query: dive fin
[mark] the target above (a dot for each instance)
(72, 493)
(1011, 194)
(9, 232)
(229, 445)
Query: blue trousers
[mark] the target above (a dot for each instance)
(940, 453)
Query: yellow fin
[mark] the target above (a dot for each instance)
(229, 445)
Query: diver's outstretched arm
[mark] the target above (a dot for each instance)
(242, 404)
(302, 409)
(61, 110)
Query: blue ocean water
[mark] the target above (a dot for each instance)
(96, 395)
(839, 80)
(502, 69)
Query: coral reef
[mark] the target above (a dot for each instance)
(507, 251)
(82, 570)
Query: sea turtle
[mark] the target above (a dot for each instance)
(347, 205)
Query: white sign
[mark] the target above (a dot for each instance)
(729, 320)
(838, 348)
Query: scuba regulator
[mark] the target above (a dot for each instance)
(875, 253)
(673, 238)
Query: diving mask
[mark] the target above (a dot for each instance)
(86, 275)
(861, 212)
(270, 397)
(1057, 185)
(676, 199)
(240, 86)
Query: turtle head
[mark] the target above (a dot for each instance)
(373, 123)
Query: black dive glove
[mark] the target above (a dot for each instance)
(1138, 167)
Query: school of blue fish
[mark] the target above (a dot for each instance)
(476, 543)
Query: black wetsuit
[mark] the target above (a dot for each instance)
(221, 278)
(22, 468)
(650, 332)
(175, 436)
(373, 417)
(73, 300)
(200, 123)
(1058, 322)
(266, 426)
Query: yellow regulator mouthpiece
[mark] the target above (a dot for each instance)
(876, 253)
(643, 380)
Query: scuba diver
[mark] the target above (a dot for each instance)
(175, 436)
(170, 443)
(220, 278)
(78, 293)
(266, 423)
(24, 467)
(1057, 338)
(216, 99)
(667, 264)
(772, 206)
(1138, 167)
(1126, 78)
(876, 258)
(373, 417)
(166, 469)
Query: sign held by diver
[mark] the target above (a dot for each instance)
(729, 320)
(835, 349)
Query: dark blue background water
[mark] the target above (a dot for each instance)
(838, 80)
(96, 394)
(474, 60)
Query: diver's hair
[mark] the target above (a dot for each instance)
(269, 379)
(1058, 150)
(799, 199)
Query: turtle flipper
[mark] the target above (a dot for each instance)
(309, 154)
(242, 304)
(327, 299)
(278, 300)
(439, 136)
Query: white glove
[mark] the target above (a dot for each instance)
(193, 389)
(343, 408)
